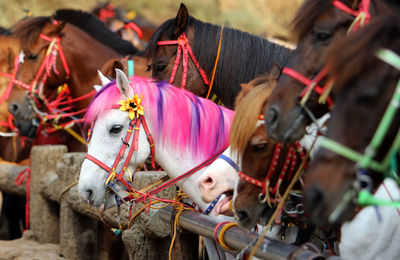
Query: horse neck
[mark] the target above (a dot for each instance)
(84, 56)
(248, 56)
(174, 164)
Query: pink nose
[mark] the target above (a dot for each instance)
(206, 184)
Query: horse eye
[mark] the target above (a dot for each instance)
(32, 56)
(322, 36)
(159, 67)
(115, 129)
(259, 147)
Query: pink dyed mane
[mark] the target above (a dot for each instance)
(191, 123)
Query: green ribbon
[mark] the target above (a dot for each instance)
(131, 66)
(389, 165)
(365, 198)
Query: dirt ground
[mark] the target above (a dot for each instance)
(26, 248)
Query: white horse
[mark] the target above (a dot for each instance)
(187, 130)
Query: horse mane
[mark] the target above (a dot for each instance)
(178, 116)
(29, 29)
(95, 28)
(243, 56)
(4, 31)
(358, 50)
(247, 111)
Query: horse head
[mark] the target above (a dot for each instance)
(364, 86)
(318, 25)
(108, 130)
(180, 30)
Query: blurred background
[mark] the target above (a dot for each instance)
(262, 17)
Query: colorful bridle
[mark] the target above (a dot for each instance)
(136, 116)
(287, 170)
(362, 16)
(365, 161)
(137, 120)
(184, 47)
(58, 104)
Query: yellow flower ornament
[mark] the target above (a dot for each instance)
(133, 106)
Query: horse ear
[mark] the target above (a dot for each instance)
(116, 65)
(123, 84)
(181, 19)
(104, 80)
(53, 28)
(275, 72)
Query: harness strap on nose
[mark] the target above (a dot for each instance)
(229, 160)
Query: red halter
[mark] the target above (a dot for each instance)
(133, 26)
(184, 46)
(287, 170)
(313, 83)
(134, 127)
(310, 83)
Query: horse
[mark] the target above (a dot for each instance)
(318, 25)
(364, 85)
(256, 153)
(221, 58)
(184, 134)
(77, 36)
(131, 27)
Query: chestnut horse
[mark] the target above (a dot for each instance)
(364, 86)
(317, 26)
(79, 39)
(237, 57)
(255, 152)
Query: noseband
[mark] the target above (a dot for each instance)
(287, 169)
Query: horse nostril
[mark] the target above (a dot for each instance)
(272, 117)
(206, 183)
(89, 194)
(14, 109)
(314, 196)
(242, 215)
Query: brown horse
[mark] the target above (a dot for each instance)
(75, 62)
(236, 57)
(364, 86)
(259, 158)
(13, 148)
(317, 26)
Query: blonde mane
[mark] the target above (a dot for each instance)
(247, 110)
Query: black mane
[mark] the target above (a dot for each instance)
(95, 28)
(243, 56)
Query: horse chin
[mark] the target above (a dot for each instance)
(257, 213)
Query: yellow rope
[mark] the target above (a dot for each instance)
(282, 201)
(308, 93)
(71, 132)
(176, 224)
(66, 189)
(216, 64)
(222, 234)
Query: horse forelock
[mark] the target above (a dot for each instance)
(177, 116)
(358, 50)
(29, 29)
(307, 14)
(246, 115)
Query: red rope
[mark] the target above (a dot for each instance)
(22, 176)
(183, 45)
(133, 26)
